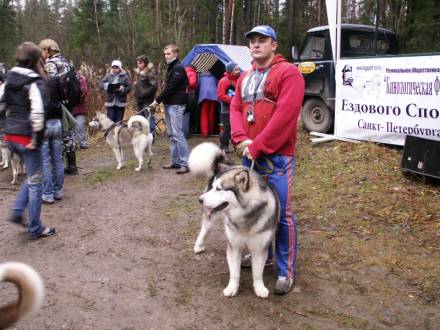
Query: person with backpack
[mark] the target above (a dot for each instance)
(58, 66)
(117, 85)
(23, 98)
(225, 92)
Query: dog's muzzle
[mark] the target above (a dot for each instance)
(216, 209)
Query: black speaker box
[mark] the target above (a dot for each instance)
(421, 156)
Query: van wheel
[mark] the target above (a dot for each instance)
(316, 116)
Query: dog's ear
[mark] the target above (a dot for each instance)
(242, 180)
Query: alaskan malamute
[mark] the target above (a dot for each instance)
(30, 290)
(247, 204)
(137, 133)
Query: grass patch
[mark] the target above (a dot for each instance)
(182, 204)
(372, 215)
(99, 177)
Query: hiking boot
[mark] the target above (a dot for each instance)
(283, 285)
(71, 168)
(246, 261)
(170, 166)
(182, 170)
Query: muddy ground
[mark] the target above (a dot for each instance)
(122, 257)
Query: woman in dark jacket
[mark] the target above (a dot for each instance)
(24, 98)
(117, 85)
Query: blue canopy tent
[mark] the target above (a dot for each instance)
(213, 57)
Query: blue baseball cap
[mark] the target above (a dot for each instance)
(265, 30)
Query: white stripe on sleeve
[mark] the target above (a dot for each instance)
(37, 108)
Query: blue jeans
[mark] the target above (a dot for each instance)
(281, 178)
(186, 124)
(31, 189)
(53, 166)
(81, 131)
(115, 113)
(178, 147)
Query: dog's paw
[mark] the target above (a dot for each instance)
(199, 249)
(231, 290)
(137, 169)
(118, 167)
(261, 291)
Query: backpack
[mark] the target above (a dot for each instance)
(71, 87)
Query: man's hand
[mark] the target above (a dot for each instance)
(239, 149)
(30, 146)
(154, 104)
(247, 154)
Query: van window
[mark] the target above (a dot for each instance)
(360, 44)
(314, 48)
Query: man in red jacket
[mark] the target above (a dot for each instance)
(225, 92)
(264, 114)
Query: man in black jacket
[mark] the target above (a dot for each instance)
(174, 98)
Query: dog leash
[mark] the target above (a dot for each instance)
(108, 130)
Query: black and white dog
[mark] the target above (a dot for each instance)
(248, 206)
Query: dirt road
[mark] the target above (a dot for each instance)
(122, 259)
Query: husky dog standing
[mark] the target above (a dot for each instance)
(137, 133)
(30, 289)
(249, 207)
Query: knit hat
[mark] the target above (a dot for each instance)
(117, 63)
(230, 66)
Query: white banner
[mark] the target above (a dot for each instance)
(385, 99)
(331, 6)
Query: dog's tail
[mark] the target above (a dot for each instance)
(204, 159)
(141, 122)
(30, 290)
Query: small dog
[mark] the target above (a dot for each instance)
(249, 207)
(137, 133)
(30, 289)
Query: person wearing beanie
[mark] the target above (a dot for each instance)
(225, 93)
(264, 114)
(117, 84)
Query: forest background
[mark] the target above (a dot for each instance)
(97, 31)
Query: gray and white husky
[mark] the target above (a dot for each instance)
(136, 132)
(247, 204)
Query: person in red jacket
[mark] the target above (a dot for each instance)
(191, 117)
(264, 114)
(225, 92)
